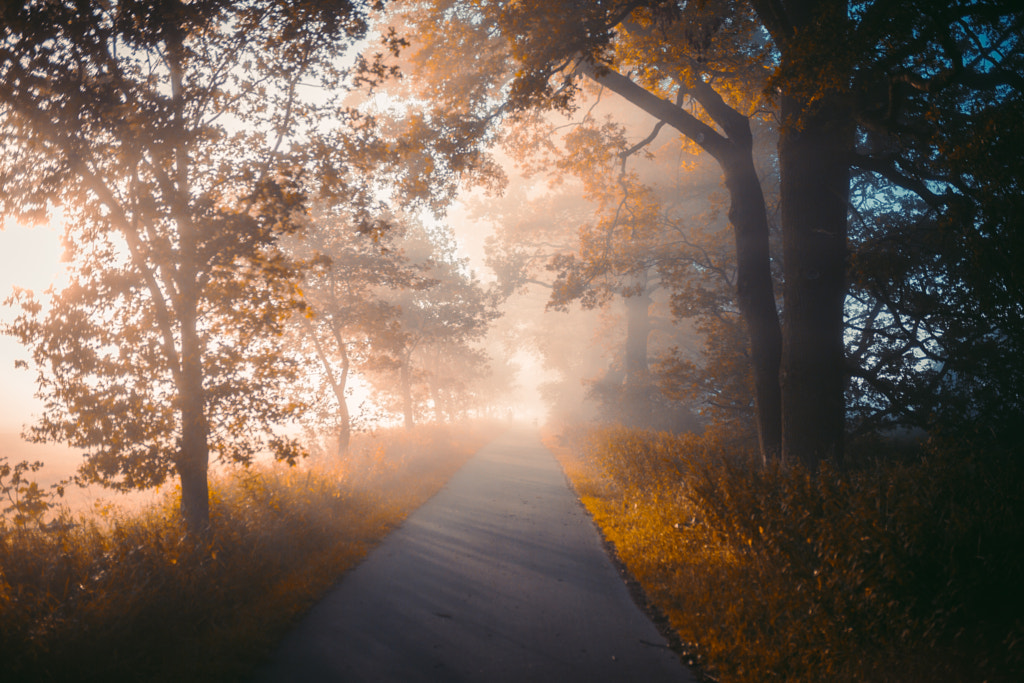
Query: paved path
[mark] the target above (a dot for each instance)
(500, 577)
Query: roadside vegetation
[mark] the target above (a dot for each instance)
(113, 595)
(898, 569)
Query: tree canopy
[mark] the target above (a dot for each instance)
(230, 171)
(855, 91)
(177, 138)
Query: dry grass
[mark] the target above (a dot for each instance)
(895, 572)
(118, 596)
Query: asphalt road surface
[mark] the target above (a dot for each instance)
(500, 577)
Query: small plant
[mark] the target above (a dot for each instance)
(24, 503)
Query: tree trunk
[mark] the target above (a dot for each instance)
(194, 457)
(816, 142)
(815, 183)
(638, 329)
(344, 429)
(635, 405)
(749, 218)
(338, 385)
(435, 393)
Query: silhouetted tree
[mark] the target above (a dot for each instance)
(348, 314)
(175, 136)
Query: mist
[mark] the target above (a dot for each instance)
(444, 317)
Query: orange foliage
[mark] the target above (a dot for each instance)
(124, 596)
(898, 571)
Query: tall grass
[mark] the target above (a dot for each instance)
(115, 596)
(906, 570)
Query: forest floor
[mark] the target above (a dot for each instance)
(501, 576)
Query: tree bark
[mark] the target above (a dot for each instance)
(344, 430)
(635, 406)
(193, 466)
(194, 455)
(338, 385)
(755, 296)
(816, 142)
(814, 153)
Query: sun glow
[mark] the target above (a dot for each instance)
(30, 258)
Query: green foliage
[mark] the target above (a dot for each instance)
(900, 570)
(114, 595)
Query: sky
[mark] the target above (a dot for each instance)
(29, 258)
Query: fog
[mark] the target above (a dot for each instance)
(556, 345)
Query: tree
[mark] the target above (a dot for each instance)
(856, 88)
(440, 321)
(936, 316)
(636, 237)
(456, 374)
(174, 135)
(718, 378)
(536, 52)
(348, 293)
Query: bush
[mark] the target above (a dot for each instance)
(904, 570)
(126, 596)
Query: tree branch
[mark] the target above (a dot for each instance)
(702, 134)
(893, 175)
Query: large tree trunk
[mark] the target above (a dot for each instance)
(815, 146)
(194, 456)
(814, 154)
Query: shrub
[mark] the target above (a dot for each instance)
(115, 595)
(901, 570)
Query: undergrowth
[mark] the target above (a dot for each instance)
(124, 596)
(900, 570)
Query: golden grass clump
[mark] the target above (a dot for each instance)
(114, 595)
(891, 571)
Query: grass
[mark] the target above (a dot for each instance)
(903, 570)
(119, 596)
